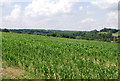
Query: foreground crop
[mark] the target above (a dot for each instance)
(50, 58)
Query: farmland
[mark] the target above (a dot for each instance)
(43, 57)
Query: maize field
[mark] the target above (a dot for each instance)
(43, 57)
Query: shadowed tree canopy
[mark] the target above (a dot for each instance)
(5, 30)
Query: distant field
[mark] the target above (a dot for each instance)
(113, 34)
(116, 34)
(42, 57)
(103, 32)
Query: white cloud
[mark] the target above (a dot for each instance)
(111, 6)
(90, 12)
(59, 14)
(48, 7)
(88, 20)
(4, 2)
(104, 4)
(15, 14)
(112, 19)
(112, 15)
(81, 8)
(112, 1)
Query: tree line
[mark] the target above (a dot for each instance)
(105, 34)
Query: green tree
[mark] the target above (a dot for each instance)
(5, 30)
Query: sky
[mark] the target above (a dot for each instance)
(77, 15)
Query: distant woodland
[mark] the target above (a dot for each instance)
(106, 34)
